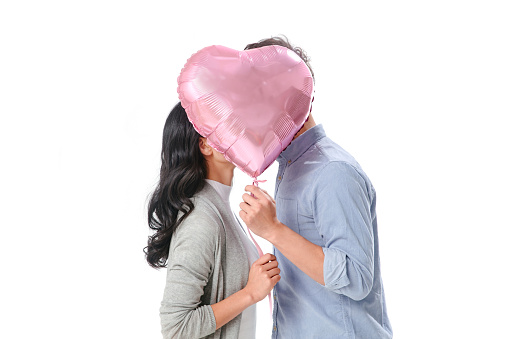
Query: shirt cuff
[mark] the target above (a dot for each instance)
(334, 269)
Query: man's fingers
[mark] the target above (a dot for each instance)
(259, 194)
(254, 190)
(245, 207)
(249, 199)
(243, 215)
(268, 195)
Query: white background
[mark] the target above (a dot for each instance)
(416, 91)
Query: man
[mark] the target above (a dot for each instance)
(323, 226)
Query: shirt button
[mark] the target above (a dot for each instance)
(279, 178)
(289, 161)
(274, 328)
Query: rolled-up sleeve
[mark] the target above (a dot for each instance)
(190, 262)
(342, 213)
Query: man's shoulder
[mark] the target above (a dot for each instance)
(336, 162)
(327, 151)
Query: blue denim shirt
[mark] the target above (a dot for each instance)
(323, 194)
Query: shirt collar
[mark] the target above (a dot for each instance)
(300, 145)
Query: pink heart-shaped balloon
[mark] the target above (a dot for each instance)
(248, 104)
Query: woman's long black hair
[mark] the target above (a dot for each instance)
(183, 173)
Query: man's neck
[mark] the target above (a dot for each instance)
(310, 123)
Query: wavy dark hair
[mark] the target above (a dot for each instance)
(182, 175)
(282, 40)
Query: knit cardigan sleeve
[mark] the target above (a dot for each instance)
(191, 260)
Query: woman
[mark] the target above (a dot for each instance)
(210, 290)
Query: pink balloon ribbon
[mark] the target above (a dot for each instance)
(260, 253)
(256, 181)
(258, 248)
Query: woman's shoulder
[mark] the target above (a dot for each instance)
(204, 218)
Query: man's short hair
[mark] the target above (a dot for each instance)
(283, 41)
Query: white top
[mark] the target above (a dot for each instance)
(248, 322)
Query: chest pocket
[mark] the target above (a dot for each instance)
(307, 227)
(298, 219)
(286, 210)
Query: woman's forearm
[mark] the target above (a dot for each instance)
(263, 275)
(229, 308)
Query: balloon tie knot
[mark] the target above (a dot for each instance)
(256, 181)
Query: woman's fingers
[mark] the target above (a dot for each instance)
(275, 279)
(267, 257)
(273, 272)
(270, 265)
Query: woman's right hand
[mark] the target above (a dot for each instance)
(263, 276)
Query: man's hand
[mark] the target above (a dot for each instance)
(259, 212)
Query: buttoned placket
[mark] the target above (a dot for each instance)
(274, 324)
(283, 164)
(280, 174)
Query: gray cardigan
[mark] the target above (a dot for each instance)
(206, 264)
